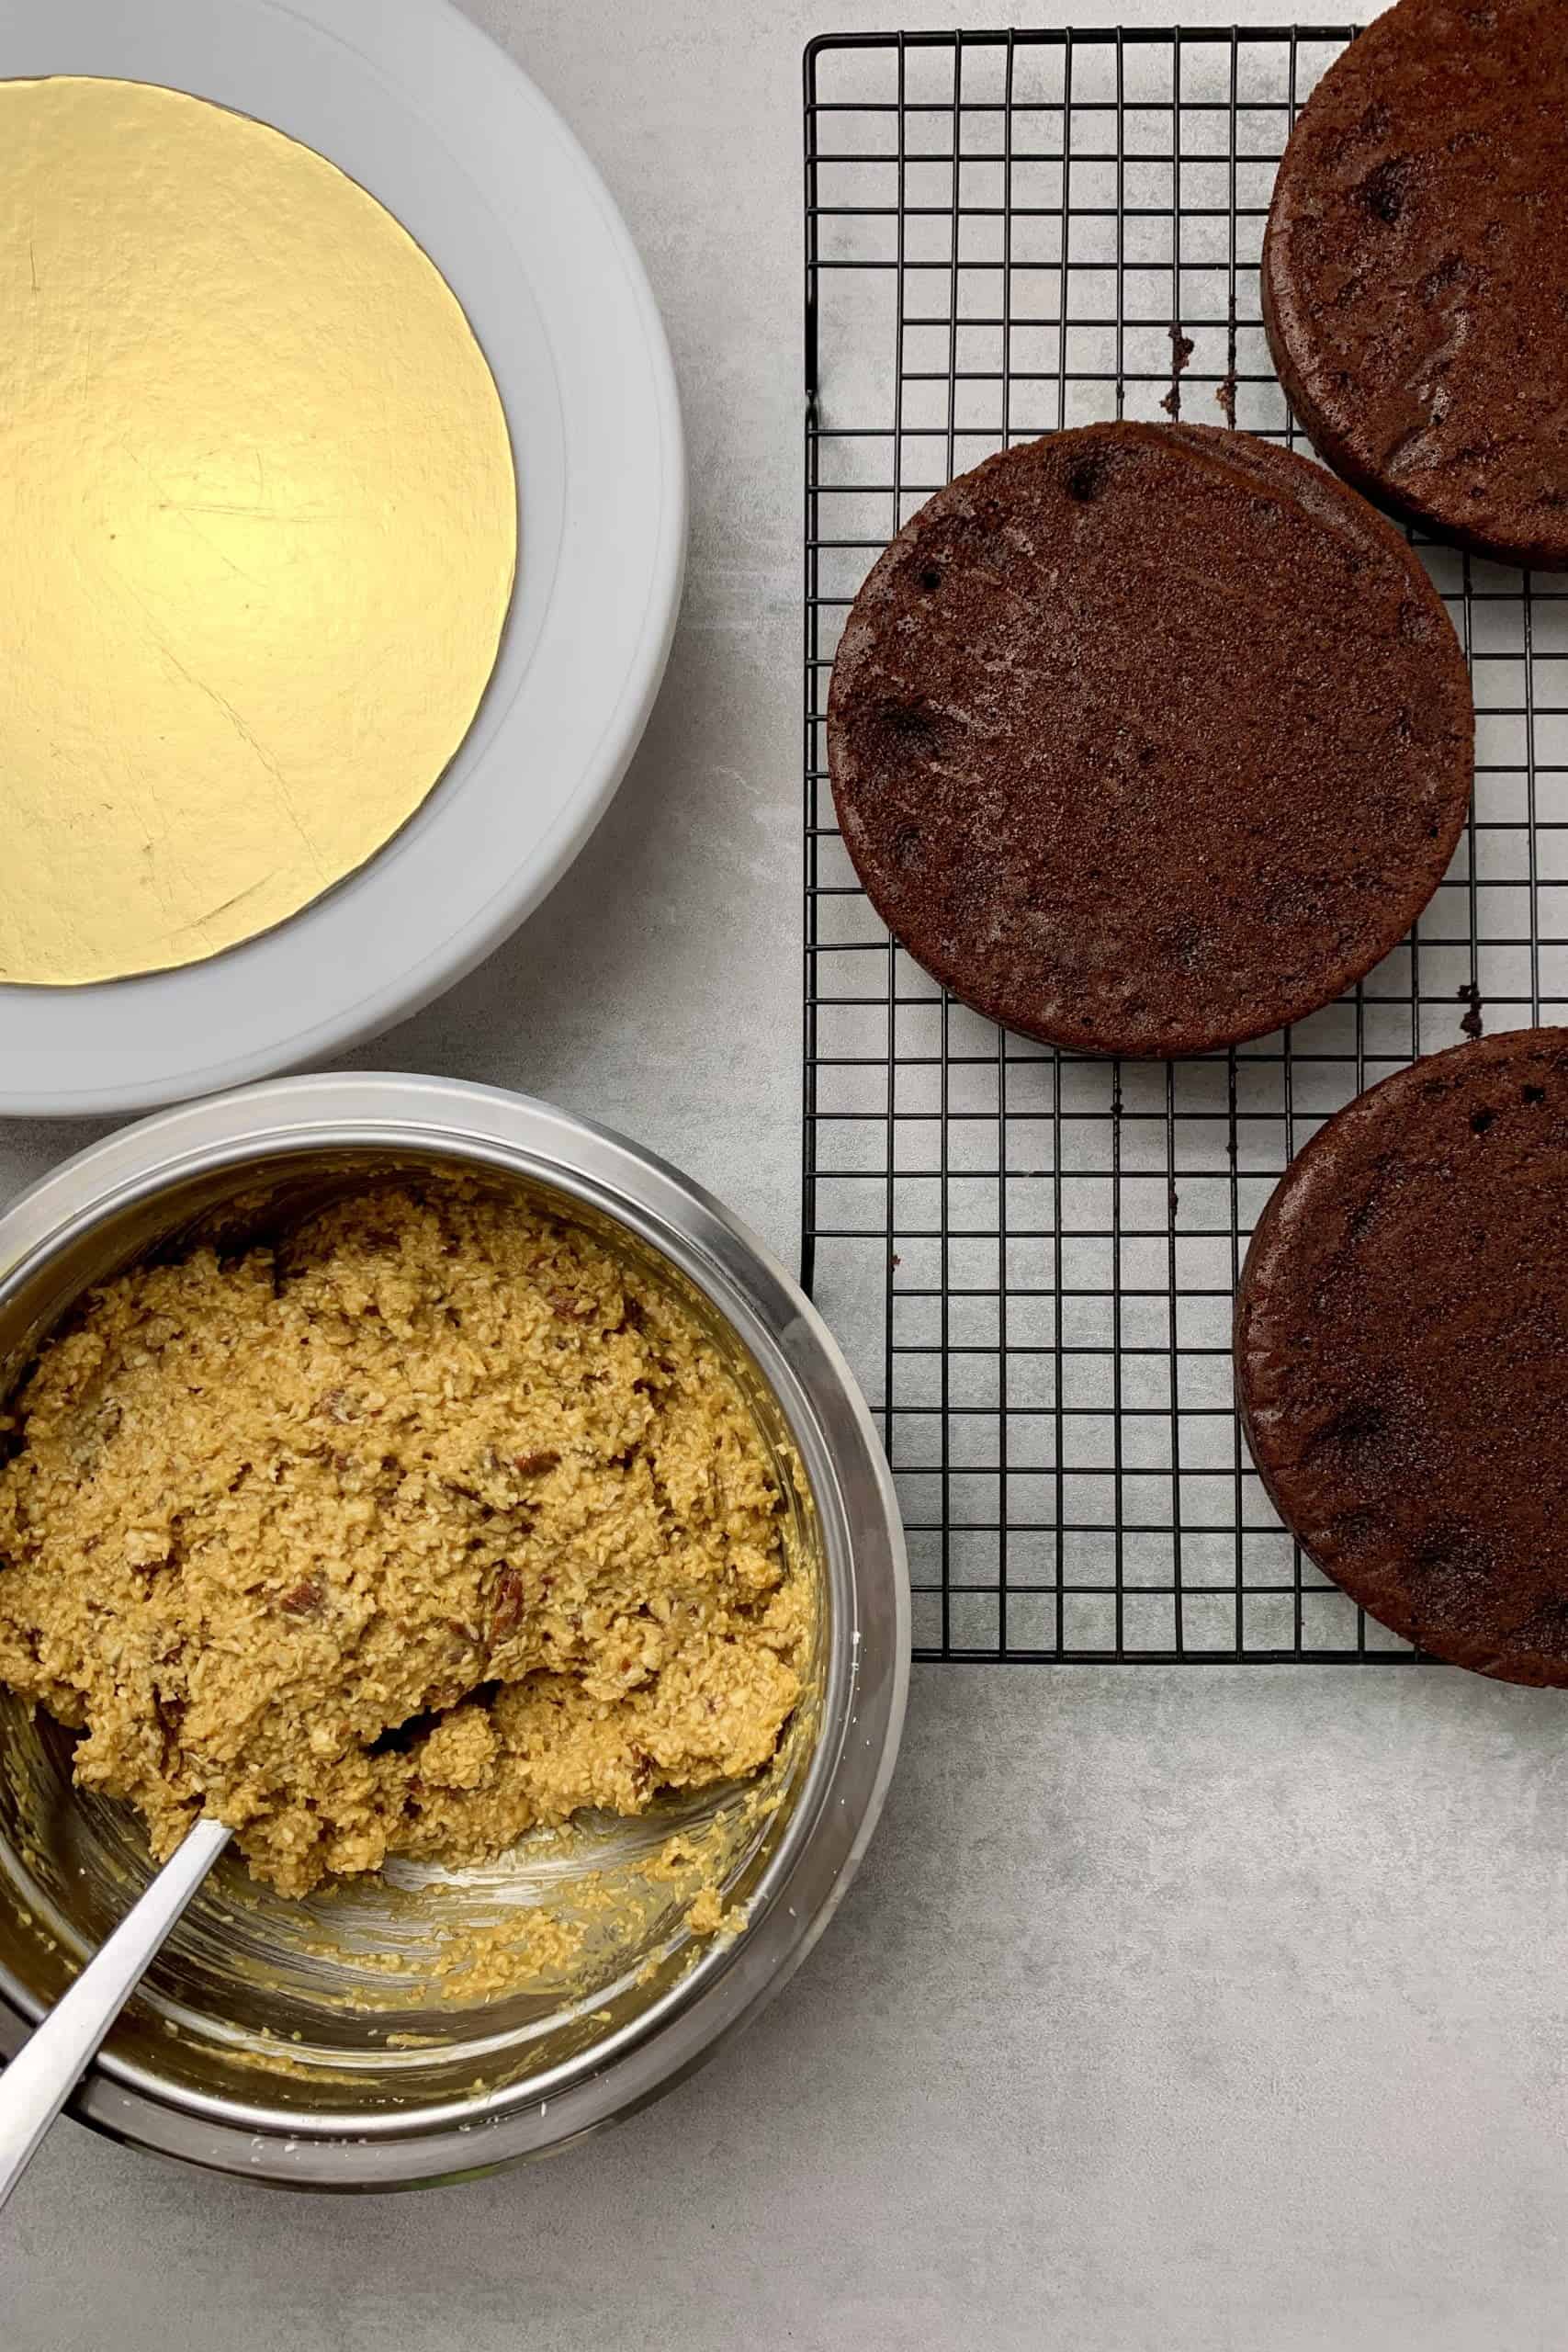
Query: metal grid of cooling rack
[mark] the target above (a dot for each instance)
(1029, 1256)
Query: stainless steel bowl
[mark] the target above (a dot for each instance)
(311, 2044)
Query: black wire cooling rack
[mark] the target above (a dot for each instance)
(1029, 1256)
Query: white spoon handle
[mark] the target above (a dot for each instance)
(46, 2070)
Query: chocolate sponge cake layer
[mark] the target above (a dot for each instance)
(1415, 271)
(1402, 1354)
(1148, 739)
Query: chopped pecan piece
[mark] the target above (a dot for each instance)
(304, 1600)
(506, 1607)
(569, 1306)
(534, 1465)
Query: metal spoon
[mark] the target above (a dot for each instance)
(46, 2070)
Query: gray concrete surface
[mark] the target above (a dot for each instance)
(1200, 2009)
(1190, 2010)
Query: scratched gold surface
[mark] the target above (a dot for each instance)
(258, 529)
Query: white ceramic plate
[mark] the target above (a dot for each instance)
(412, 99)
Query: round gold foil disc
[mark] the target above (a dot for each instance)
(258, 529)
